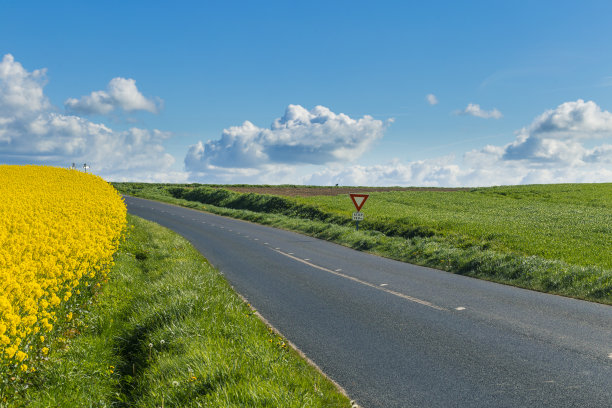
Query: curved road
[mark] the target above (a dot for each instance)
(398, 335)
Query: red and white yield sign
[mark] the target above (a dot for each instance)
(359, 200)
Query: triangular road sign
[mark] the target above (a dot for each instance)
(359, 200)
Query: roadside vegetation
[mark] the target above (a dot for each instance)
(550, 238)
(58, 232)
(167, 330)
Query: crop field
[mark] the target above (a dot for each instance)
(58, 232)
(571, 222)
(568, 222)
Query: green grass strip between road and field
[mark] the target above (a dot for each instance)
(169, 331)
(550, 238)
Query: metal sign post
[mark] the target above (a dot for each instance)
(357, 216)
(358, 200)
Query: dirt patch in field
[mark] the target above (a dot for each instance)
(331, 191)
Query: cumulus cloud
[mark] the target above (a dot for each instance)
(318, 136)
(544, 150)
(431, 99)
(121, 93)
(570, 143)
(558, 134)
(475, 110)
(449, 172)
(474, 169)
(437, 172)
(600, 154)
(20, 91)
(549, 150)
(31, 131)
(576, 120)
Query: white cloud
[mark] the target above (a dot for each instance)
(577, 120)
(449, 173)
(600, 154)
(431, 99)
(544, 150)
(570, 143)
(438, 172)
(121, 93)
(549, 150)
(266, 174)
(475, 110)
(98, 102)
(20, 91)
(558, 134)
(32, 132)
(318, 136)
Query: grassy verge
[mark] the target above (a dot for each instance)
(168, 331)
(438, 240)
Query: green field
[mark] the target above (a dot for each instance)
(169, 331)
(568, 222)
(550, 238)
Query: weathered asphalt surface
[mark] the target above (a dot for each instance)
(395, 334)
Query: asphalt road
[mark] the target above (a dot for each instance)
(398, 335)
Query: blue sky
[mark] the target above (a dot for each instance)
(357, 93)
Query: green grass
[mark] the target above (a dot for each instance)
(571, 223)
(550, 238)
(169, 331)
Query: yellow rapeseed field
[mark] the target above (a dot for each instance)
(59, 229)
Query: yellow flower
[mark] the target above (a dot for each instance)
(10, 351)
(20, 356)
(59, 230)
